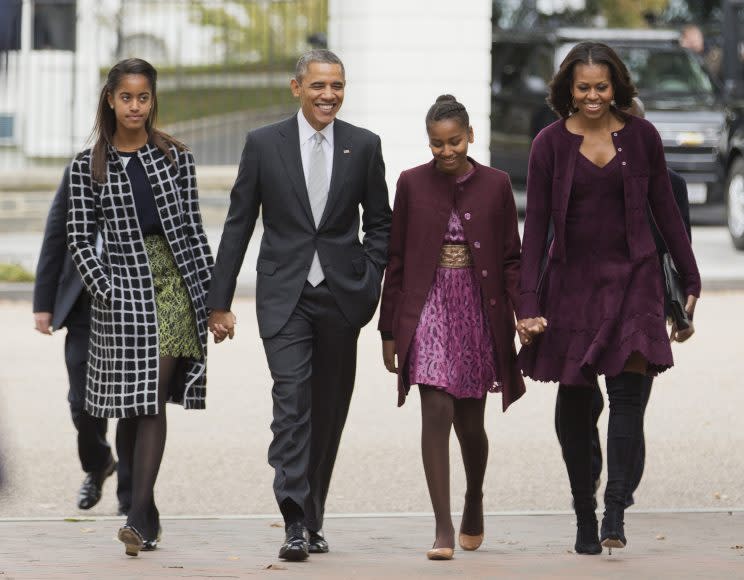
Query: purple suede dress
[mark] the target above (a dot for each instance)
(600, 305)
(452, 347)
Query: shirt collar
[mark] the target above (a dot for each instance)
(307, 131)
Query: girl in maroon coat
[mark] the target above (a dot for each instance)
(447, 312)
(594, 175)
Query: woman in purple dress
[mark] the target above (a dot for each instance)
(447, 312)
(594, 174)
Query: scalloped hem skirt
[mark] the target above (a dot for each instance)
(599, 312)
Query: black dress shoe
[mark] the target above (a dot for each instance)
(317, 544)
(295, 547)
(90, 492)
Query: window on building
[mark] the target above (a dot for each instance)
(54, 24)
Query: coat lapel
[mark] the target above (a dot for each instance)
(289, 151)
(342, 152)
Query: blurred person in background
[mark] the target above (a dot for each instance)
(595, 173)
(60, 300)
(137, 187)
(691, 37)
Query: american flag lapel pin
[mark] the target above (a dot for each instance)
(347, 151)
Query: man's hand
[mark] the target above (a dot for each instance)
(43, 322)
(530, 327)
(388, 356)
(222, 324)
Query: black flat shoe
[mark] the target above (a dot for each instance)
(613, 530)
(317, 544)
(295, 547)
(587, 538)
(131, 539)
(90, 491)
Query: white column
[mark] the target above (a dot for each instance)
(399, 56)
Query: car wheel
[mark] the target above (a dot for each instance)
(735, 203)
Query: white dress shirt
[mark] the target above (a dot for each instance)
(306, 144)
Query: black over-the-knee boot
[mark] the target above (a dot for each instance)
(623, 441)
(575, 434)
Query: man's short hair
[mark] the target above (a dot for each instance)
(316, 55)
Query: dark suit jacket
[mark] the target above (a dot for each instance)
(270, 179)
(423, 204)
(58, 284)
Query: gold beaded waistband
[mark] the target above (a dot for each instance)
(455, 256)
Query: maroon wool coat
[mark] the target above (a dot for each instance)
(423, 202)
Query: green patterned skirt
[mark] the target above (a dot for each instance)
(176, 323)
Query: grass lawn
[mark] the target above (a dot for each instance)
(186, 104)
(15, 273)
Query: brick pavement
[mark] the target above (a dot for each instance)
(661, 545)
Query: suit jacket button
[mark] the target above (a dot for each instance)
(467, 215)
(476, 245)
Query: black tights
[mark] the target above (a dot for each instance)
(144, 437)
(624, 432)
(439, 411)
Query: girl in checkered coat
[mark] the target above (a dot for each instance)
(135, 191)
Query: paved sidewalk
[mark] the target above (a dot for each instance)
(661, 545)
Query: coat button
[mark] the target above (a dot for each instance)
(492, 302)
(476, 245)
(614, 134)
(467, 215)
(624, 163)
(484, 273)
(619, 149)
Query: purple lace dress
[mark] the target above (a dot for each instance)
(452, 348)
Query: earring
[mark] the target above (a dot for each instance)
(612, 102)
(112, 107)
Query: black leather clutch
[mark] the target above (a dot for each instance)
(675, 295)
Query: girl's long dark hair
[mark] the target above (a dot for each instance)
(105, 125)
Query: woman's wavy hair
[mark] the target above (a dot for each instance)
(560, 99)
(105, 125)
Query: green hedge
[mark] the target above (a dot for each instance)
(187, 104)
(15, 273)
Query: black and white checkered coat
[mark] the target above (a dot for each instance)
(123, 358)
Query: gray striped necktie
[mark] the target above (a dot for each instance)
(317, 191)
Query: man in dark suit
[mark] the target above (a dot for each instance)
(317, 284)
(60, 301)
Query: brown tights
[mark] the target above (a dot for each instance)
(439, 411)
(145, 437)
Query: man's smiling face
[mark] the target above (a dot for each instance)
(321, 92)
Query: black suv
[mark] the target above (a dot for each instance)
(702, 135)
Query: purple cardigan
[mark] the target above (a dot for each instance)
(646, 183)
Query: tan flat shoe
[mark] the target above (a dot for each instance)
(470, 543)
(440, 554)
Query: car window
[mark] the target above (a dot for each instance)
(659, 69)
(655, 70)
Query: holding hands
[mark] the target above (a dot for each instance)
(222, 324)
(529, 328)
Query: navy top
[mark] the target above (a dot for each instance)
(144, 198)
